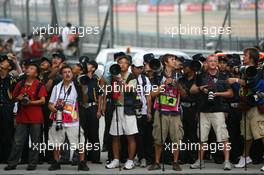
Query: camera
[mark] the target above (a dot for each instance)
(115, 70)
(59, 117)
(249, 71)
(156, 65)
(211, 96)
(196, 66)
(83, 79)
(83, 62)
(258, 96)
(25, 99)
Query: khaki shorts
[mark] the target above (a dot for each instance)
(217, 120)
(254, 124)
(171, 125)
(57, 138)
(127, 124)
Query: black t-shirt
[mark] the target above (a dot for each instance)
(216, 83)
(187, 84)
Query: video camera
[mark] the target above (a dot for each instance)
(156, 66)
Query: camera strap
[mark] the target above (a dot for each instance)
(66, 93)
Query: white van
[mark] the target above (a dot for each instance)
(9, 30)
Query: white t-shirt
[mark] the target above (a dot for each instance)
(59, 92)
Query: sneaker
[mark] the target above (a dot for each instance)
(129, 165)
(114, 164)
(82, 166)
(31, 167)
(262, 169)
(10, 167)
(196, 164)
(143, 163)
(154, 166)
(55, 166)
(227, 165)
(176, 166)
(241, 163)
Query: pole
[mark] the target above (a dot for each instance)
(137, 26)
(27, 17)
(203, 23)
(157, 23)
(179, 22)
(229, 24)
(257, 22)
(98, 13)
(36, 11)
(66, 11)
(111, 24)
(103, 32)
(80, 7)
(4, 9)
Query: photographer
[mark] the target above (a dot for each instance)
(189, 111)
(7, 84)
(91, 109)
(252, 106)
(144, 122)
(167, 112)
(108, 106)
(124, 120)
(64, 107)
(213, 88)
(30, 94)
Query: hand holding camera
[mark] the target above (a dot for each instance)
(59, 116)
(24, 99)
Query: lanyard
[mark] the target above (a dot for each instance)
(67, 93)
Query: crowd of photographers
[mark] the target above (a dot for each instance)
(151, 107)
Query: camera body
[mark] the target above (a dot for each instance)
(25, 99)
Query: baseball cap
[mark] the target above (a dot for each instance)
(118, 54)
(11, 63)
(59, 54)
(127, 57)
(148, 57)
(45, 59)
(187, 63)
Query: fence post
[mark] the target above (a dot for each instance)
(229, 24)
(157, 22)
(111, 44)
(137, 26)
(80, 7)
(257, 22)
(27, 17)
(203, 22)
(179, 22)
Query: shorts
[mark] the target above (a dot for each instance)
(171, 125)
(127, 124)
(254, 124)
(57, 138)
(217, 120)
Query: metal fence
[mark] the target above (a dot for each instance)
(129, 23)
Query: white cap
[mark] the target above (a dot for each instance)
(138, 60)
